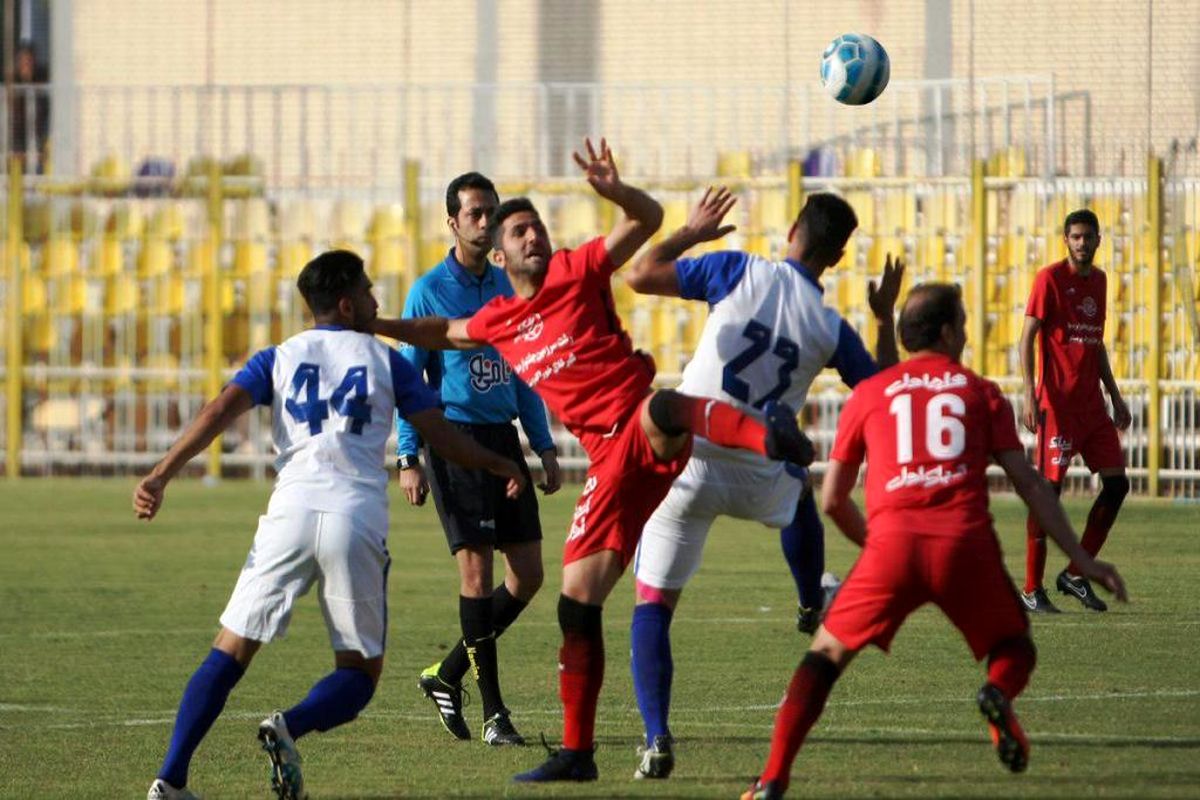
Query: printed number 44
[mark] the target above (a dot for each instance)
(760, 342)
(349, 399)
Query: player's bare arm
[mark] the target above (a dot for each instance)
(643, 214)
(428, 333)
(881, 298)
(1121, 416)
(1048, 511)
(837, 504)
(454, 445)
(1028, 336)
(214, 418)
(654, 271)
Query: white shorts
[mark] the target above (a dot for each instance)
(673, 539)
(295, 548)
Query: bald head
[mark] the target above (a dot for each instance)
(933, 319)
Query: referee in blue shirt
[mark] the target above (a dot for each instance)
(481, 395)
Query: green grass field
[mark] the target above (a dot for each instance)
(103, 619)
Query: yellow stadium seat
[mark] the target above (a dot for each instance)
(863, 203)
(252, 220)
(292, 257)
(33, 295)
(122, 296)
(863, 163)
(109, 257)
(249, 257)
(110, 176)
(388, 222)
(60, 257)
(168, 221)
(155, 257)
(577, 221)
(349, 224)
(40, 333)
(881, 247)
(297, 222)
(69, 294)
(125, 221)
(930, 256)
(737, 164)
(388, 256)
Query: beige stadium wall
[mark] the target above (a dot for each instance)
(1096, 52)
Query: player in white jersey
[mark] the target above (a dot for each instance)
(767, 337)
(333, 391)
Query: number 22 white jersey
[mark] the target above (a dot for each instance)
(333, 394)
(768, 334)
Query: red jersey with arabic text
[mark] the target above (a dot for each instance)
(930, 426)
(566, 342)
(1072, 309)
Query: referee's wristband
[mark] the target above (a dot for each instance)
(407, 461)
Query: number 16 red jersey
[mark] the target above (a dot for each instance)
(929, 427)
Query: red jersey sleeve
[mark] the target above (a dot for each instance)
(479, 326)
(592, 257)
(1002, 429)
(1039, 297)
(849, 446)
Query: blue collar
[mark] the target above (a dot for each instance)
(330, 327)
(463, 275)
(803, 270)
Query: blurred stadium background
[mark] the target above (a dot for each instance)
(173, 164)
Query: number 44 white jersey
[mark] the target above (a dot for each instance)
(768, 334)
(333, 394)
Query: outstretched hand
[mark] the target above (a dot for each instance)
(705, 220)
(882, 297)
(600, 169)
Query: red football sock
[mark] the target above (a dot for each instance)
(723, 424)
(802, 706)
(1035, 554)
(580, 675)
(1010, 664)
(1099, 522)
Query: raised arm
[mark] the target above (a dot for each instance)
(837, 504)
(654, 272)
(1121, 416)
(881, 298)
(643, 214)
(213, 419)
(1028, 337)
(429, 333)
(1049, 513)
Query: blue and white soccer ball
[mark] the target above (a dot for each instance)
(855, 69)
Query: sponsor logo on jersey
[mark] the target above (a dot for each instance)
(927, 478)
(487, 372)
(579, 522)
(530, 328)
(934, 383)
(1061, 443)
(1089, 307)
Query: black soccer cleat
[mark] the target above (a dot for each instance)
(499, 730)
(1010, 741)
(657, 760)
(763, 791)
(448, 700)
(808, 619)
(785, 440)
(562, 765)
(1036, 602)
(1081, 590)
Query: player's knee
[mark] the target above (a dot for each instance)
(823, 665)
(577, 617)
(1113, 489)
(662, 406)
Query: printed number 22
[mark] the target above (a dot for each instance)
(760, 341)
(349, 399)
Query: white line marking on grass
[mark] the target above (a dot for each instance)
(100, 719)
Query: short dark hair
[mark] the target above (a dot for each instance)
(328, 278)
(929, 306)
(1082, 216)
(828, 221)
(504, 211)
(468, 180)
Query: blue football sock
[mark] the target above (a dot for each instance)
(334, 700)
(803, 542)
(653, 668)
(202, 702)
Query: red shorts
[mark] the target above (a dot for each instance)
(625, 483)
(1090, 434)
(897, 573)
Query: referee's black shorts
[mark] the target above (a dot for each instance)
(471, 502)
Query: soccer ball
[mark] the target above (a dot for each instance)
(854, 69)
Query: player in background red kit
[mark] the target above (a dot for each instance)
(561, 334)
(928, 426)
(1065, 314)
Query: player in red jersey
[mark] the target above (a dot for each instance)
(561, 334)
(1066, 313)
(929, 426)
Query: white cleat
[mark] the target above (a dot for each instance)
(161, 790)
(286, 778)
